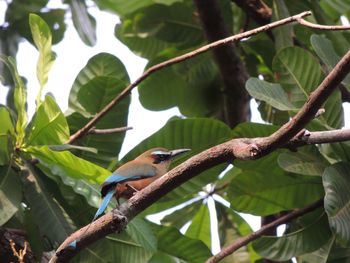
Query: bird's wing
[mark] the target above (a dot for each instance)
(130, 171)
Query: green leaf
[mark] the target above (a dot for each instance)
(6, 132)
(200, 226)
(124, 7)
(20, 99)
(49, 125)
(10, 193)
(103, 78)
(65, 147)
(301, 73)
(193, 88)
(119, 248)
(84, 23)
(42, 38)
(283, 35)
(32, 232)
(271, 93)
(172, 242)
(54, 222)
(101, 65)
(326, 52)
(336, 182)
(298, 67)
(302, 241)
(306, 162)
(67, 164)
(197, 134)
(141, 232)
(252, 191)
(232, 226)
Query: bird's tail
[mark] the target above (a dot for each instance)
(104, 204)
(101, 209)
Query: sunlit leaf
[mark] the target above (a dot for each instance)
(42, 38)
(6, 132)
(49, 125)
(20, 99)
(67, 164)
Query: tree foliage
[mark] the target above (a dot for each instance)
(49, 188)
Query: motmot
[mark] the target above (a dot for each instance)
(135, 175)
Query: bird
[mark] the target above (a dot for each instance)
(135, 175)
(132, 177)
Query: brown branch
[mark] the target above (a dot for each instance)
(321, 27)
(262, 231)
(235, 106)
(242, 148)
(178, 59)
(93, 130)
(319, 137)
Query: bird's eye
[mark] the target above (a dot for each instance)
(163, 157)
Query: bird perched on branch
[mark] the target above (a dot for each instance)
(136, 175)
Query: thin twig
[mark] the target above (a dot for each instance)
(178, 59)
(255, 235)
(320, 137)
(321, 27)
(93, 130)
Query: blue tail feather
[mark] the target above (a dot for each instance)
(104, 203)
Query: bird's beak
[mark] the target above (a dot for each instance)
(178, 151)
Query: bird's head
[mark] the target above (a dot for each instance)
(161, 156)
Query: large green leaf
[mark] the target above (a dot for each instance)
(118, 249)
(300, 70)
(232, 226)
(326, 52)
(123, 7)
(283, 35)
(52, 220)
(261, 193)
(103, 78)
(141, 232)
(271, 93)
(84, 23)
(101, 65)
(20, 99)
(307, 161)
(10, 193)
(172, 242)
(49, 125)
(67, 164)
(42, 38)
(160, 28)
(6, 132)
(196, 134)
(302, 241)
(336, 182)
(200, 226)
(194, 87)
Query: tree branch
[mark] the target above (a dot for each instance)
(235, 106)
(263, 230)
(175, 60)
(93, 130)
(242, 148)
